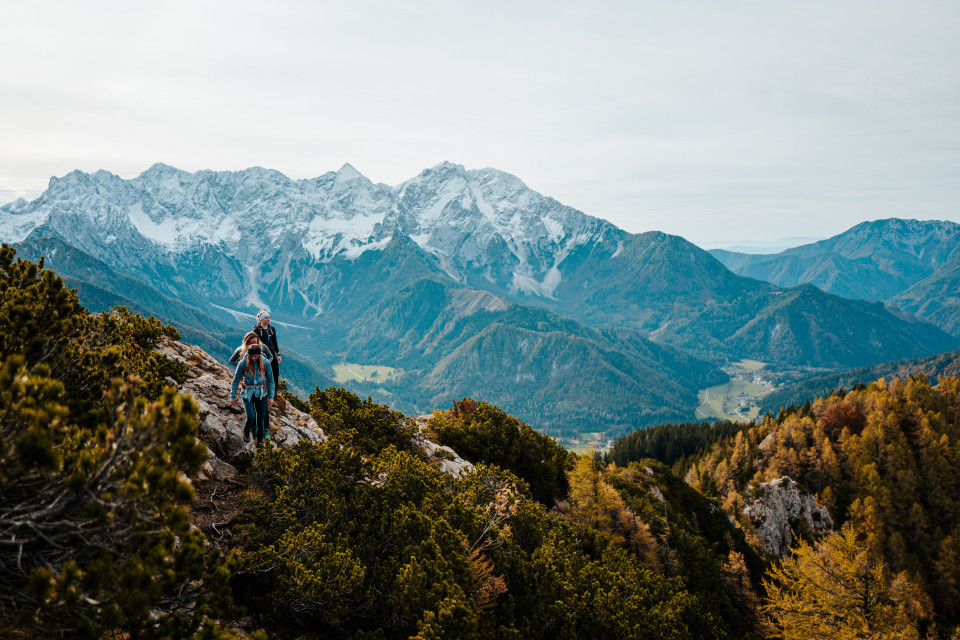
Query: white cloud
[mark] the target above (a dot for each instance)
(716, 121)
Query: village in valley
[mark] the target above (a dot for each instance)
(738, 398)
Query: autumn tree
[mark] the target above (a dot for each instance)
(595, 503)
(838, 590)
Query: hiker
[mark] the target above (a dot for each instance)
(255, 382)
(241, 351)
(268, 338)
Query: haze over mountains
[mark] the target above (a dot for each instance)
(467, 280)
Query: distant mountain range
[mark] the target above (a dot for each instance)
(469, 281)
(911, 264)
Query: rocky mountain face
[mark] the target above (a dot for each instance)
(221, 425)
(428, 275)
(912, 264)
(480, 224)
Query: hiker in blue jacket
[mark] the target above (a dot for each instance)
(254, 381)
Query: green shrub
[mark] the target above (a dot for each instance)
(385, 546)
(375, 426)
(95, 448)
(481, 432)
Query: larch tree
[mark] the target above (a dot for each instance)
(838, 590)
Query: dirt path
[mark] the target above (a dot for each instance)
(706, 401)
(350, 369)
(216, 504)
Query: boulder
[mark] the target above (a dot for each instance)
(443, 457)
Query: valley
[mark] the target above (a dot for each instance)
(737, 399)
(588, 442)
(466, 283)
(364, 373)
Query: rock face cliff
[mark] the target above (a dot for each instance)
(221, 425)
(779, 509)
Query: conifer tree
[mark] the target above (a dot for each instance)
(838, 590)
(95, 537)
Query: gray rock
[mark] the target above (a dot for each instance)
(217, 469)
(778, 508)
(221, 424)
(445, 458)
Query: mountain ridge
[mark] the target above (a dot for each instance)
(910, 264)
(323, 253)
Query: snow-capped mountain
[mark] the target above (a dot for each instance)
(323, 252)
(470, 220)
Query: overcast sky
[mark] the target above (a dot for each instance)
(723, 122)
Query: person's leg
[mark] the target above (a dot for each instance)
(260, 404)
(276, 381)
(250, 422)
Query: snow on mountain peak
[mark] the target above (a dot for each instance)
(159, 168)
(446, 165)
(347, 173)
(16, 205)
(462, 216)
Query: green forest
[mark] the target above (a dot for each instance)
(361, 536)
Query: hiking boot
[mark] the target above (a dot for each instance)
(246, 437)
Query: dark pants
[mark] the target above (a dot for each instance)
(276, 380)
(276, 370)
(256, 409)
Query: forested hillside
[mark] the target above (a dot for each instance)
(884, 459)
(356, 537)
(911, 264)
(107, 529)
(808, 389)
(670, 443)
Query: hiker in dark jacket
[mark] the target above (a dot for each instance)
(241, 352)
(268, 338)
(253, 381)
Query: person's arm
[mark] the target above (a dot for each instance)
(271, 387)
(276, 344)
(235, 358)
(236, 383)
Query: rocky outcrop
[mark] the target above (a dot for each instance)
(779, 508)
(221, 425)
(443, 457)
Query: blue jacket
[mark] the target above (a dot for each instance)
(253, 381)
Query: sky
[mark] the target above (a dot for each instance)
(734, 123)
